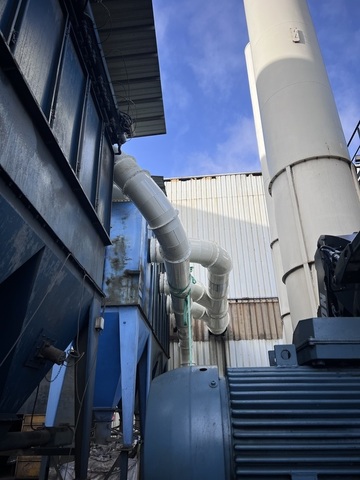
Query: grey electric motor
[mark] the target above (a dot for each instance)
(283, 423)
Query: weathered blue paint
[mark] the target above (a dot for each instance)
(127, 350)
(56, 166)
(124, 262)
(28, 162)
(42, 296)
(121, 346)
(129, 278)
(134, 344)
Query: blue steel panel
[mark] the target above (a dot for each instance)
(69, 103)
(45, 297)
(133, 337)
(121, 346)
(37, 47)
(89, 156)
(127, 352)
(7, 12)
(105, 180)
(38, 42)
(31, 166)
(50, 313)
(108, 379)
(129, 278)
(17, 241)
(123, 258)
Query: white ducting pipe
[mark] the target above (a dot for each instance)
(164, 221)
(218, 264)
(198, 290)
(198, 312)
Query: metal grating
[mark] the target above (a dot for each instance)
(299, 423)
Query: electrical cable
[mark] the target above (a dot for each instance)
(33, 410)
(102, 27)
(51, 380)
(128, 121)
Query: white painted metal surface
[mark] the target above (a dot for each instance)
(309, 167)
(274, 238)
(230, 210)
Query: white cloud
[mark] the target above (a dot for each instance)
(204, 81)
(207, 41)
(215, 52)
(236, 152)
(339, 38)
(346, 92)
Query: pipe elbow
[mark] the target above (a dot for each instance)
(222, 264)
(211, 256)
(198, 312)
(217, 325)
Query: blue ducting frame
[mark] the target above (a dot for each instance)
(126, 262)
(44, 297)
(133, 347)
(126, 350)
(129, 277)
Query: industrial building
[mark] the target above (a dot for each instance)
(172, 328)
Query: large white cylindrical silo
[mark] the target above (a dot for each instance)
(310, 177)
(274, 238)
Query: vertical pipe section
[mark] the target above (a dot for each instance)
(219, 265)
(164, 221)
(306, 153)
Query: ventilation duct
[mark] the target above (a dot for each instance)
(212, 299)
(175, 251)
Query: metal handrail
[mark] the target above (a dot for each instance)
(356, 157)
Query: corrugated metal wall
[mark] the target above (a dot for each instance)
(230, 209)
(250, 319)
(255, 327)
(254, 319)
(245, 353)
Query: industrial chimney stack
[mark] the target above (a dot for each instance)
(310, 177)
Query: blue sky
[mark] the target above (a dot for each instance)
(205, 88)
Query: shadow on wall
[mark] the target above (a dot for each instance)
(230, 210)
